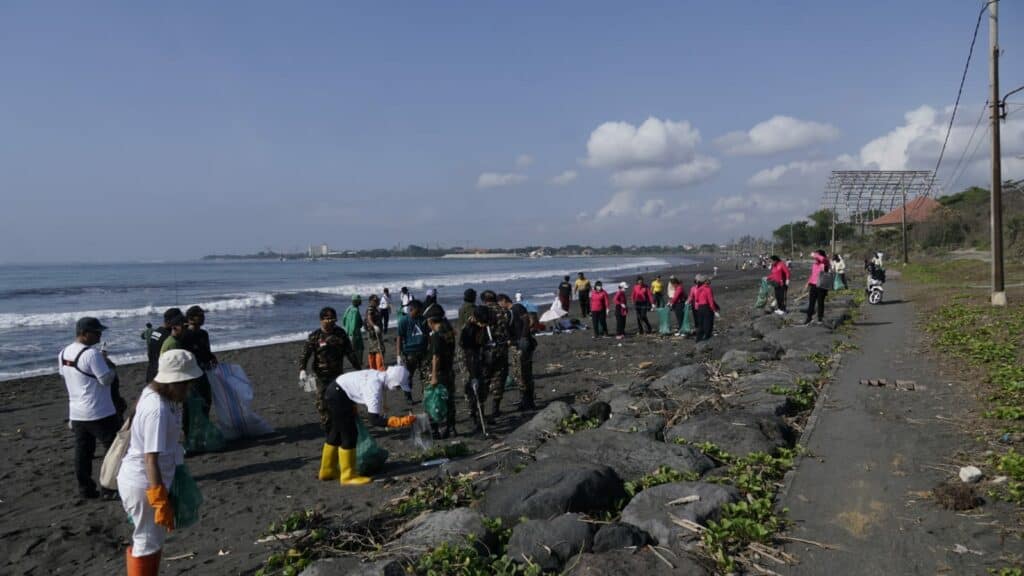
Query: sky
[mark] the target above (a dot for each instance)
(170, 130)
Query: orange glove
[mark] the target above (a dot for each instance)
(163, 512)
(401, 421)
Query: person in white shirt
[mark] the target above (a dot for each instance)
(384, 306)
(89, 377)
(338, 458)
(406, 297)
(154, 453)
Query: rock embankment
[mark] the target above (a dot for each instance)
(635, 480)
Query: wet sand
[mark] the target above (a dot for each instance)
(46, 529)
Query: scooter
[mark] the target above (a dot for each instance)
(875, 290)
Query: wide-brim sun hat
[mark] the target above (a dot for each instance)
(397, 377)
(177, 366)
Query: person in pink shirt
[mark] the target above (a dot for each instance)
(779, 278)
(621, 310)
(705, 309)
(643, 300)
(816, 296)
(677, 301)
(599, 304)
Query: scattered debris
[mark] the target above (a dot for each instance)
(646, 365)
(908, 385)
(957, 496)
(282, 536)
(1000, 480)
(970, 474)
(185, 556)
(961, 549)
(223, 552)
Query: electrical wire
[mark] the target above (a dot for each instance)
(967, 147)
(971, 156)
(959, 92)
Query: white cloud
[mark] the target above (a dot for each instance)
(696, 170)
(778, 175)
(499, 179)
(524, 161)
(655, 142)
(777, 134)
(758, 202)
(657, 154)
(632, 204)
(564, 178)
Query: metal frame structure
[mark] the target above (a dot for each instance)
(852, 194)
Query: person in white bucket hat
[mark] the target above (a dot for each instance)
(154, 453)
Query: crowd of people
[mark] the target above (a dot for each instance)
(490, 341)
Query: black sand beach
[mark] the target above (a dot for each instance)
(46, 529)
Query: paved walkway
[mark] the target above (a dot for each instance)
(874, 453)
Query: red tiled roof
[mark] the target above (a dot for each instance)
(918, 210)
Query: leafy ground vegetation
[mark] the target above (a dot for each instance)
(986, 345)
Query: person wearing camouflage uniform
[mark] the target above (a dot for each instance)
(374, 334)
(521, 347)
(472, 339)
(495, 353)
(328, 346)
(465, 313)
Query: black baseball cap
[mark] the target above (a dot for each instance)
(88, 324)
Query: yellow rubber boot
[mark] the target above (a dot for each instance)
(348, 468)
(329, 463)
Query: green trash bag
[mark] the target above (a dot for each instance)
(664, 320)
(763, 294)
(435, 400)
(370, 457)
(185, 498)
(687, 326)
(837, 284)
(203, 436)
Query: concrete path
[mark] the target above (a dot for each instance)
(873, 456)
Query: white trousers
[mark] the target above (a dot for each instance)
(148, 538)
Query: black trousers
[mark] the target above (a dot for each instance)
(472, 358)
(816, 300)
(600, 322)
(620, 324)
(385, 315)
(680, 312)
(86, 434)
(705, 319)
(341, 429)
(642, 323)
(526, 372)
(780, 296)
(584, 303)
(659, 299)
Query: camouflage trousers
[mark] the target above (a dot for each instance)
(321, 404)
(494, 369)
(418, 364)
(521, 370)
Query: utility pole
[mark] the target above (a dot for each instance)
(903, 225)
(791, 251)
(998, 289)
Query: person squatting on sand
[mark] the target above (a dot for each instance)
(442, 365)
(642, 302)
(582, 290)
(621, 310)
(495, 352)
(411, 344)
(599, 305)
(521, 346)
(367, 387)
(374, 333)
(705, 309)
(328, 346)
(95, 406)
(778, 277)
(154, 453)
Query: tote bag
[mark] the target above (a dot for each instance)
(115, 454)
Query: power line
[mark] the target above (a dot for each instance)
(963, 78)
(971, 156)
(969, 141)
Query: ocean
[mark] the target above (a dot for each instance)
(248, 303)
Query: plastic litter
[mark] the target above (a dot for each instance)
(203, 436)
(420, 434)
(185, 497)
(370, 457)
(232, 393)
(307, 384)
(435, 462)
